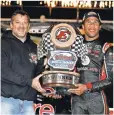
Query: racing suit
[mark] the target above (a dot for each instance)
(96, 72)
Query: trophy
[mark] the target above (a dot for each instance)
(61, 47)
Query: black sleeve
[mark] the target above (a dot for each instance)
(108, 62)
(8, 75)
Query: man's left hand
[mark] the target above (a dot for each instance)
(79, 90)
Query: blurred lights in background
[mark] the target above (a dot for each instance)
(8, 2)
(67, 3)
(80, 3)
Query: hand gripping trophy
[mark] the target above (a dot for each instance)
(61, 47)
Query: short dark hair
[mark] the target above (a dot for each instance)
(21, 12)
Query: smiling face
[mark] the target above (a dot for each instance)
(20, 26)
(91, 27)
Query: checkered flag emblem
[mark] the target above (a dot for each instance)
(47, 45)
(78, 47)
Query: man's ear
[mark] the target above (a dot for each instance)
(82, 26)
(100, 27)
(11, 25)
(28, 26)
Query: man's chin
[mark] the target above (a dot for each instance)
(21, 35)
(92, 36)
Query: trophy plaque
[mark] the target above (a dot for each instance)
(60, 47)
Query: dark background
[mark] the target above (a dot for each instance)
(35, 10)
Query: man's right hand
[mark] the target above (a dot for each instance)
(36, 84)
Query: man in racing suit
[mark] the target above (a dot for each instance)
(95, 68)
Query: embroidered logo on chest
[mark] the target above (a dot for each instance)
(33, 58)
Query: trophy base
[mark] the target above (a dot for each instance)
(61, 89)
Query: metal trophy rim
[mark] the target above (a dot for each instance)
(66, 72)
(60, 84)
